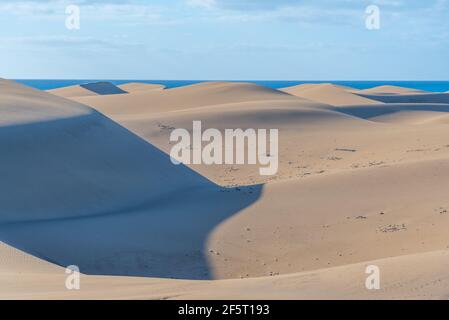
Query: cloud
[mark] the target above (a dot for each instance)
(128, 11)
(322, 12)
(269, 5)
(28, 8)
(242, 5)
(291, 11)
(71, 43)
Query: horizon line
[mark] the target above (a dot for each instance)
(228, 80)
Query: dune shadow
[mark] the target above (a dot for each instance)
(103, 88)
(371, 111)
(85, 191)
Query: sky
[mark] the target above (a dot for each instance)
(225, 40)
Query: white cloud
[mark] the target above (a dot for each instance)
(242, 5)
(130, 12)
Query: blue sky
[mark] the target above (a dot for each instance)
(225, 39)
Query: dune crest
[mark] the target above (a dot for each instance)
(74, 177)
(425, 273)
(180, 98)
(88, 89)
(137, 86)
(388, 89)
(41, 123)
(328, 93)
(430, 98)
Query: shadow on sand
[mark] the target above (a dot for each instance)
(85, 191)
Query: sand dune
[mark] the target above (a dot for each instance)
(14, 261)
(329, 94)
(100, 174)
(403, 216)
(389, 90)
(413, 117)
(301, 122)
(193, 96)
(71, 92)
(362, 180)
(137, 86)
(98, 167)
(89, 89)
(400, 112)
(431, 98)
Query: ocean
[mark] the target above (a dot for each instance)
(433, 86)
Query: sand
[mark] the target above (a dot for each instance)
(362, 180)
(390, 90)
(328, 93)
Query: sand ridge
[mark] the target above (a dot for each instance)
(419, 276)
(90, 89)
(137, 86)
(328, 93)
(390, 90)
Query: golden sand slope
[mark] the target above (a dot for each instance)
(72, 177)
(133, 87)
(442, 98)
(349, 136)
(360, 182)
(388, 90)
(175, 99)
(328, 93)
(54, 148)
(419, 276)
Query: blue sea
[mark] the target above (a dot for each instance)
(435, 86)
